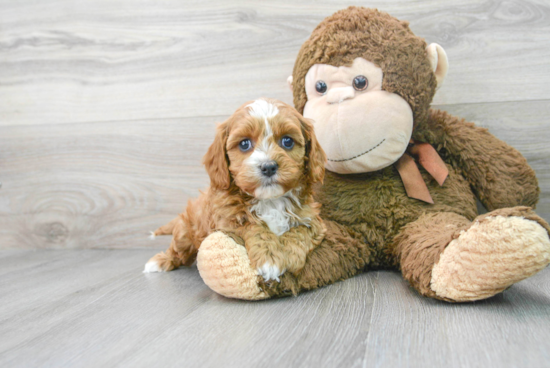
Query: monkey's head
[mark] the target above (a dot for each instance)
(366, 81)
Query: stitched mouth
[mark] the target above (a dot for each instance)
(359, 155)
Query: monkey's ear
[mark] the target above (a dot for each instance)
(289, 81)
(215, 159)
(316, 157)
(439, 61)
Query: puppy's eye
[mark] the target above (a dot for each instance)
(321, 87)
(287, 143)
(245, 145)
(360, 83)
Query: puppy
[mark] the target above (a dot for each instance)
(262, 165)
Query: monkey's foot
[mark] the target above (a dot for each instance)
(224, 266)
(494, 253)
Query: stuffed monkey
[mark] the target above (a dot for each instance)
(402, 179)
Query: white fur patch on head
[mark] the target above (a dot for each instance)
(262, 109)
(278, 213)
(268, 188)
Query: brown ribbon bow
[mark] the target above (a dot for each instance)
(426, 156)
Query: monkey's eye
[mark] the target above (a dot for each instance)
(245, 145)
(287, 142)
(360, 83)
(321, 87)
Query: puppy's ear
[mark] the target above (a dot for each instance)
(315, 156)
(216, 161)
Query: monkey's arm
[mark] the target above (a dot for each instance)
(499, 175)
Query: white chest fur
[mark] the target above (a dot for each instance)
(278, 213)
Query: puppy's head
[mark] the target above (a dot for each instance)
(266, 148)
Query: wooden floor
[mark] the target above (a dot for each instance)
(106, 109)
(94, 308)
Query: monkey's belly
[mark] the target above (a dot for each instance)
(376, 206)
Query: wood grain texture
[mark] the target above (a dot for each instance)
(98, 184)
(106, 108)
(94, 308)
(70, 61)
(508, 330)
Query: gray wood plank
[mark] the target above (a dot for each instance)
(508, 330)
(69, 61)
(128, 318)
(90, 308)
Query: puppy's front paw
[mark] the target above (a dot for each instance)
(270, 272)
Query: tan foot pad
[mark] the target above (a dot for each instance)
(224, 266)
(490, 256)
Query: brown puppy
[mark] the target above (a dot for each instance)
(262, 165)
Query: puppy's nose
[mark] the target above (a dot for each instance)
(269, 168)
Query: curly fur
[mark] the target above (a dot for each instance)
(371, 222)
(280, 226)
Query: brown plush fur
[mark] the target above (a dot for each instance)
(418, 249)
(228, 204)
(371, 223)
(498, 174)
(377, 37)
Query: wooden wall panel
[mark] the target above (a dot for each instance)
(107, 107)
(73, 61)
